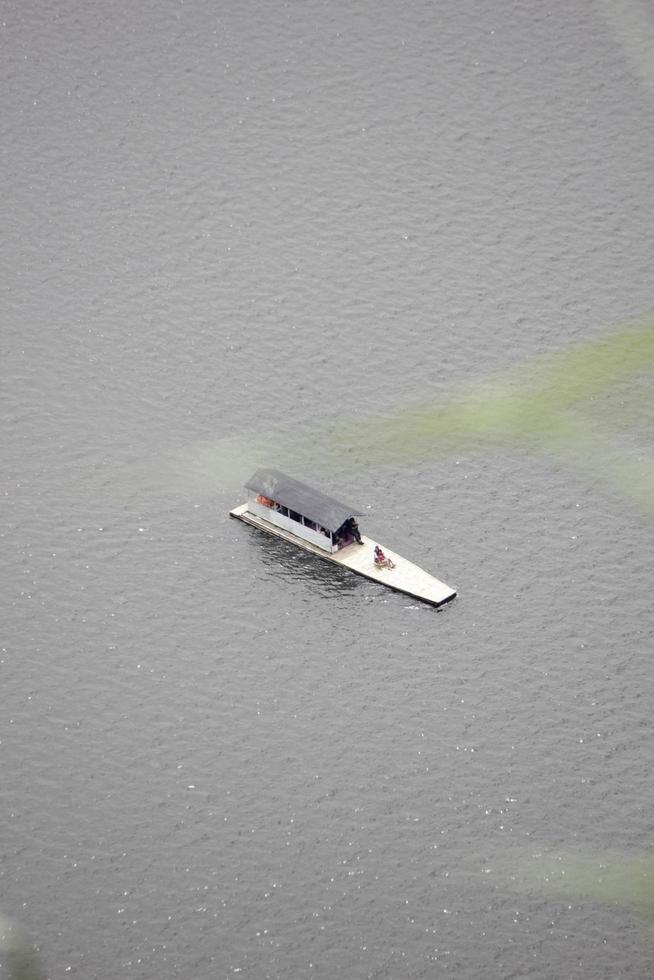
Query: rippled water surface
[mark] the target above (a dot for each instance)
(241, 234)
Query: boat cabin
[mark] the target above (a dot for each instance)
(308, 513)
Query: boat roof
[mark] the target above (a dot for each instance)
(298, 496)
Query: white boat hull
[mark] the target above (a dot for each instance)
(404, 577)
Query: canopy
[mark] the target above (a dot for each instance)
(303, 499)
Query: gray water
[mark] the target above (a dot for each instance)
(232, 235)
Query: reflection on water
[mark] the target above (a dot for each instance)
(287, 561)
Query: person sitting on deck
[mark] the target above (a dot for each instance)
(352, 528)
(381, 561)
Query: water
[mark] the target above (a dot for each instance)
(230, 235)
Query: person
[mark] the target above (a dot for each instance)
(352, 528)
(381, 561)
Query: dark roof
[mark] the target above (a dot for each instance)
(314, 504)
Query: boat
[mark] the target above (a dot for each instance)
(326, 527)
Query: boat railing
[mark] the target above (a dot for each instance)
(292, 521)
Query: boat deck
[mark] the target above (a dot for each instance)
(405, 577)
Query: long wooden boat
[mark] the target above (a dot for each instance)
(322, 525)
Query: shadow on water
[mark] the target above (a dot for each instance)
(284, 560)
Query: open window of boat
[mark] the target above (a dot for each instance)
(296, 507)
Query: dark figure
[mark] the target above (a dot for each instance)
(352, 528)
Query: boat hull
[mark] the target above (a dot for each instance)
(404, 577)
